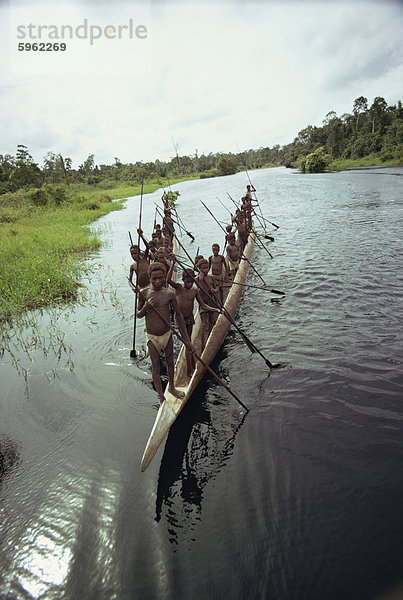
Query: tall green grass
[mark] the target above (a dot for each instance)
(40, 257)
(44, 238)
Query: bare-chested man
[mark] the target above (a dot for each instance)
(249, 190)
(233, 257)
(219, 270)
(242, 232)
(186, 295)
(140, 264)
(208, 292)
(155, 302)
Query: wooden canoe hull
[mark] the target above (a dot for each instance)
(172, 406)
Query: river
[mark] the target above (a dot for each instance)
(301, 498)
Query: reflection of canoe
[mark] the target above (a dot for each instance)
(172, 406)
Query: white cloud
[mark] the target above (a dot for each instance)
(251, 74)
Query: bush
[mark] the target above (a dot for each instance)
(301, 163)
(209, 173)
(7, 186)
(58, 194)
(8, 217)
(89, 206)
(104, 198)
(38, 197)
(315, 162)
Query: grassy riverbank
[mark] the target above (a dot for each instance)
(343, 164)
(45, 236)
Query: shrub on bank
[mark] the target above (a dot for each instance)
(315, 162)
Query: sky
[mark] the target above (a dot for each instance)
(206, 77)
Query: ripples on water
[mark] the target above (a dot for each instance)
(301, 498)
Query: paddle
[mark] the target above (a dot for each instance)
(183, 226)
(255, 287)
(261, 245)
(133, 351)
(247, 341)
(188, 346)
(243, 255)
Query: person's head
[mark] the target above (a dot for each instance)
(164, 231)
(134, 251)
(197, 258)
(228, 228)
(231, 239)
(160, 254)
(187, 278)
(157, 274)
(248, 188)
(203, 266)
(157, 227)
(240, 217)
(215, 248)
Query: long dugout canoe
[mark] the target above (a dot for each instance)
(172, 406)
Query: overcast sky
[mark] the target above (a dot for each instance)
(214, 77)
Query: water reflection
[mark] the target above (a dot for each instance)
(9, 457)
(198, 446)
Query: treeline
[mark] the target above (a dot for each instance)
(375, 130)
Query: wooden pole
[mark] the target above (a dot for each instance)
(133, 351)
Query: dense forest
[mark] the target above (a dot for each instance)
(375, 130)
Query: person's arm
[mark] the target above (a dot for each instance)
(180, 321)
(225, 268)
(205, 306)
(147, 245)
(210, 284)
(143, 306)
(132, 271)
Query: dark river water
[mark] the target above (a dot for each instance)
(301, 498)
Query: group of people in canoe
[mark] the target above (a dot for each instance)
(207, 281)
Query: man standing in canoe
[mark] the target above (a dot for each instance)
(249, 190)
(233, 257)
(219, 270)
(141, 262)
(186, 295)
(155, 302)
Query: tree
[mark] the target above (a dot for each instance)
(88, 165)
(335, 136)
(25, 172)
(377, 113)
(360, 106)
(23, 156)
(226, 166)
